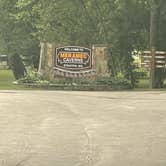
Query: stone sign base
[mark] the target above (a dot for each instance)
(47, 66)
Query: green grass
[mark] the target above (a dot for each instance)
(144, 83)
(6, 81)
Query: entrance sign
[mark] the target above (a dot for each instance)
(153, 60)
(159, 59)
(58, 62)
(73, 58)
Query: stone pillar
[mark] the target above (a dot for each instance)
(42, 57)
(46, 63)
(50, 54)
(101, 57)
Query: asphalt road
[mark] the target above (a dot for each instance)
(47, 128)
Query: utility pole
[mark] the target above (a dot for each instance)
(154, 20)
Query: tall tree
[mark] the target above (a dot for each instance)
(157, 75)
(123, 24)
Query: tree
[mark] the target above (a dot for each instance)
(155, 15)
(17, 66)
(123, 24)
(16, 34)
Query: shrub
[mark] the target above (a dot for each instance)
(118, 82)
(141, 73)
(33, 77)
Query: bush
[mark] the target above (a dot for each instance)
(33, 77)
(73, 81)
(141, 73)
(118, 82)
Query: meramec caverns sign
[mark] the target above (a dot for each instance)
(72, 58)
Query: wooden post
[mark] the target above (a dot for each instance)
(152, 71)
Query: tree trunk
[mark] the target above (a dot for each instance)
(154, 23)
(156, 74)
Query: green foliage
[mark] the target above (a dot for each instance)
(33, 77)
(122, 23)
(141, 73)
(74, 81)
(16, 33)
(119, 82)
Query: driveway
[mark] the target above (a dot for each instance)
(58, 128)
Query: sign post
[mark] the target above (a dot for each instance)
(152, 71)
(153, 60)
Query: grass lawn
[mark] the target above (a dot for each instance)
(6, 81)
(144, 83)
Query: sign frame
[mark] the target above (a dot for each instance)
(73, 50)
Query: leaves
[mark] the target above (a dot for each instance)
(123, 24)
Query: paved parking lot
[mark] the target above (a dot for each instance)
(58, 128)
